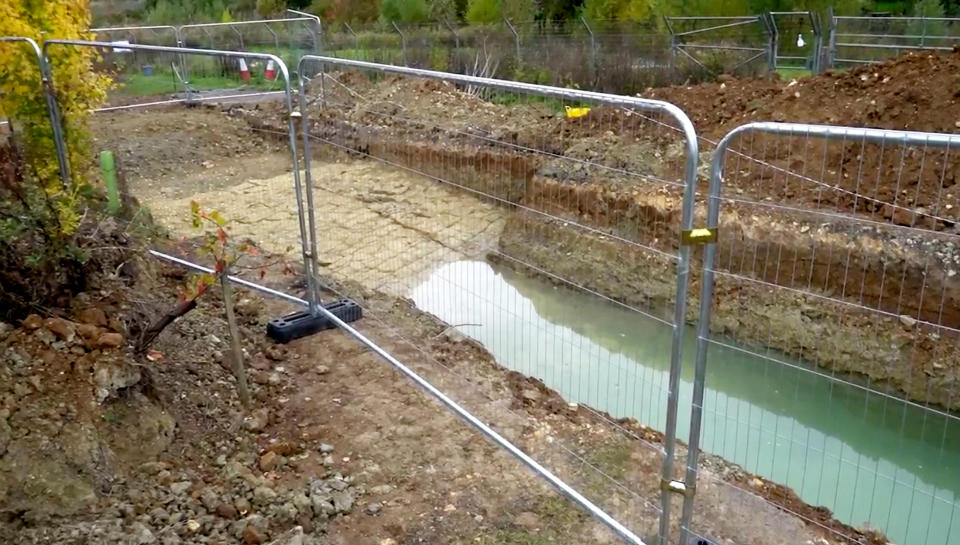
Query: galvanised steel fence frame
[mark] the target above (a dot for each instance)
(668, 485)
(866, 40)
(910, 306)
(284, 75)
(681, 44)
(53, 109)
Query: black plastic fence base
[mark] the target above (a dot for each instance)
(300, 324)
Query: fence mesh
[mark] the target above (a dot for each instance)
(835, 298)
(863, 40)
(491, 210)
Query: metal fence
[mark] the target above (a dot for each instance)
(827, 341)
(44, 76)
(865, 40)
(465, 202)
(151, 73)
(834, 281)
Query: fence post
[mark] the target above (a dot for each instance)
(674, 43)
(356, 39)
(276, 39)
(516, 36)
(239, 35)
(403, 42)
(593, 48)
(817, 41)
(774, 41)
(832, 40)
(456, 37)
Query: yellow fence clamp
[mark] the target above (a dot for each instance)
(574, 113)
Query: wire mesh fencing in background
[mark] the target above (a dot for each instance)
(835, 301)
(798, 40)
(492, 205)
(741, 46)
(865, 40)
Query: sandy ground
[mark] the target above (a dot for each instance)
(380, 226)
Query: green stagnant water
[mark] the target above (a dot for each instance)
(871, 459)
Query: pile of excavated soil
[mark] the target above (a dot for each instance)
(918, 91)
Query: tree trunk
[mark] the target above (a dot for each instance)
(236, 358)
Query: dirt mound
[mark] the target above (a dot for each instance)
(917, 91)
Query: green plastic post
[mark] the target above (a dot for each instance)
(109, 170)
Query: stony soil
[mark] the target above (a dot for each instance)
(97, 445)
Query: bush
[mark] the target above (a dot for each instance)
(42, 231)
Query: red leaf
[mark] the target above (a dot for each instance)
(221, 235)
(219, 267)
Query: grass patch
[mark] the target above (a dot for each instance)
(612, 459)
(791, 73)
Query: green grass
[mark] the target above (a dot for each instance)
(791, 73)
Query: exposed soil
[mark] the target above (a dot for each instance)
(97, 445)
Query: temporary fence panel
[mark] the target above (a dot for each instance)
(864, 40)
(741, 45)
(41, 76)
(288, 39)
(828, 342)
(169, 158)
(493, 205)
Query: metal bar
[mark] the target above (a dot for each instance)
(129, 28)
(288, 96)
(53, 109)
(714, 18)
(237, 23)
(356, 38)
(894, 46)
(723, 47)
(184, 101)
(516, 36)
(445, 400)
(456, 36)
(747, 61)
(593, 48)
(403, 41)
(832, 40)
(276, 39)
(690, 181)
(239, 35)
(896, 36)
(826, 132)
(909, 19)
(700, 30)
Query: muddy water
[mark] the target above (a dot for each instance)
(870, 459)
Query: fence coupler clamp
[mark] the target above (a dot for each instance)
(677, 487)
(700, 235)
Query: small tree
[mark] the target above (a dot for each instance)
(225, 255)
